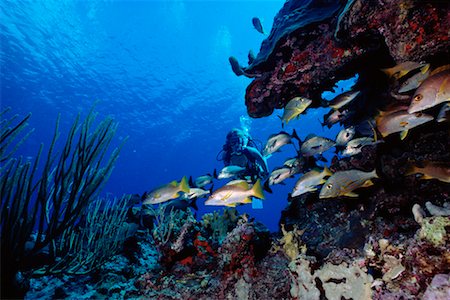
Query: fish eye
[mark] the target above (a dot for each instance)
(419, 114)
(329, 186)
(418, 98)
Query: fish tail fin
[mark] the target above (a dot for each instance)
(282, 123)
(321, 123)
(374, 174)
(215, 174)
(184, 185)
(295, 136)
(257, 190)
(411, 169)
(191, 182)
(194, 204)
(267, 187)
(327, 171)
(388, 71)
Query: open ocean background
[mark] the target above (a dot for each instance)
(159, 67)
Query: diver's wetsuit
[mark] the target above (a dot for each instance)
(240, 150)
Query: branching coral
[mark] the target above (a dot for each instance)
(95, 240)
(53, 202)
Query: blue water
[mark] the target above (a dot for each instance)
(159, 67)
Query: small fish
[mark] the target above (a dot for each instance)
(414, 81)
(444, 113)
(315, 145)
(233, 194)
(433, 91)
(402, 69)
(231, 171)
(343, 183)
(294, 108)
(180, 204)
(280, 174)
(354, 146)
(432, 170)
(276, 141)
(257, 24)
(294, 162)
(195, 193)
(400, 121)
(343, 99)
(167, 192)
(201, 181)
(345, 135)
(237, 69)
(335, 116)
(309, 181)
(251, 57)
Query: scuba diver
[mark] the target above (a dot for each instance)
(240, 150)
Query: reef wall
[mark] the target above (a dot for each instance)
(315, 43)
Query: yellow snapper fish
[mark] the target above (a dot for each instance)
(294, 108)
(432, 170)
(343, 99)
(276, 141)
(414, 81)
(444, 113)
(343, 183)
(433, 91)
(402, 69)
(400, 121)
(167, 192)
(309, 181)
(233, 194)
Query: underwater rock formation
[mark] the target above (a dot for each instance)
(315, 43)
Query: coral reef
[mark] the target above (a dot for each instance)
(315, 43)
(52, 203)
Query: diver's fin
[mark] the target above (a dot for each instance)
(257, 204)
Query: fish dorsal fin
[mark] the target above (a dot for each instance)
(173, 183)
(440, 69)
(425, 69)
(310, 136)
(242, 184)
